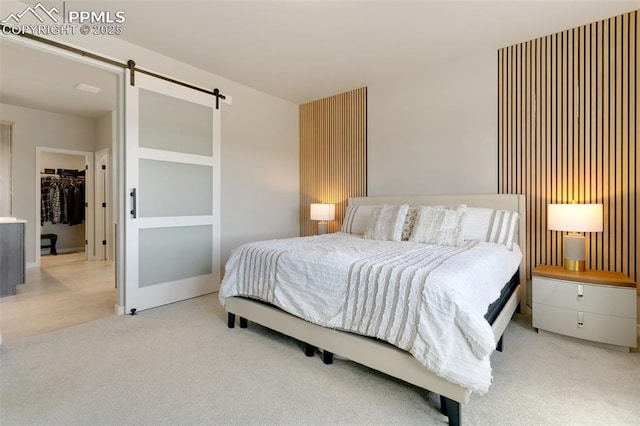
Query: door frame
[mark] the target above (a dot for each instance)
(117, 153)
(102, 214)
(89, 194)
(118, 188)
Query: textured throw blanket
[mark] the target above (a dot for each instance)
(427, 300)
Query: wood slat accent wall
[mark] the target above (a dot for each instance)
(568, 129)
(333, 154)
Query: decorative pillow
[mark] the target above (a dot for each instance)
(386, 223)
(356, 219)
(494, 226)
(477, 224)
(503, 228)
(409, 222)
(439, 225)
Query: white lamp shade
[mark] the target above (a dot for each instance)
(323, 211)
(574, 217)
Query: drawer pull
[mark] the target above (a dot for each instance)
(580, 319)
(580, 292)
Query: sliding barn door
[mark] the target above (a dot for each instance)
(173, 184)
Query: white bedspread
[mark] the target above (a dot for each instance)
(427, 300)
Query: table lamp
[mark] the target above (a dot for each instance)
(574, 219)
(323, 213)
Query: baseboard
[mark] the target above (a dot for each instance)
(119, 309)
(62, 251)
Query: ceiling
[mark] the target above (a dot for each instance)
(306, 50)
(297, 50)
(37, 79)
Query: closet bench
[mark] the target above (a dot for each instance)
(53, 239)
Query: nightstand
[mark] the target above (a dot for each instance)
(593, 305)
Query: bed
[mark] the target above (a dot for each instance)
(389, 350)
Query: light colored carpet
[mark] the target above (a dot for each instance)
(180, 364)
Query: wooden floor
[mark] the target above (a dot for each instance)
(65, 290)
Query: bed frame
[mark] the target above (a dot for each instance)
(380, 355)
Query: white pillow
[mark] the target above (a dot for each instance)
(386, 223)
(503, 228)
(493, 226)
(477, 223)
(439, 225)
(356, 219)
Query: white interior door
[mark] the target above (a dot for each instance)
(172, 175)
(101, 239)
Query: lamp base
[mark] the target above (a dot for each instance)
(574, 265)
(574, 252)
(322, 228)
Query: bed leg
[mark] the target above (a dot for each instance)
(243, 323)
(499, 344)
(327, 357)
(451, 409)
(231, 320)
(309, 350)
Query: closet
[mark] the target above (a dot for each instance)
(62, 203)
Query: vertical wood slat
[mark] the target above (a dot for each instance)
(568, 130)
(333, 154)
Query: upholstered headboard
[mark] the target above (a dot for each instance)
(509, 202)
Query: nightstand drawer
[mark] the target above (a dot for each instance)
(614, 330)
(600, 299)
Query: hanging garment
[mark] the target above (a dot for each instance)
(55, 205)
(78, 205)
(62, 200)
(45, 201)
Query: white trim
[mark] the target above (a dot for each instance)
(175, 157)
(228, 100)
(101, 214)
(173, 90)
(158, 294)
(174, 221)
(119, 191)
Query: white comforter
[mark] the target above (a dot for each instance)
(427, 300)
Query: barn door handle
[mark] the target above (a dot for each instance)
(133, 203)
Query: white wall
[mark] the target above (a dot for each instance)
(39, 128)
(435, 132)
(260, 171)
(104, 131)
